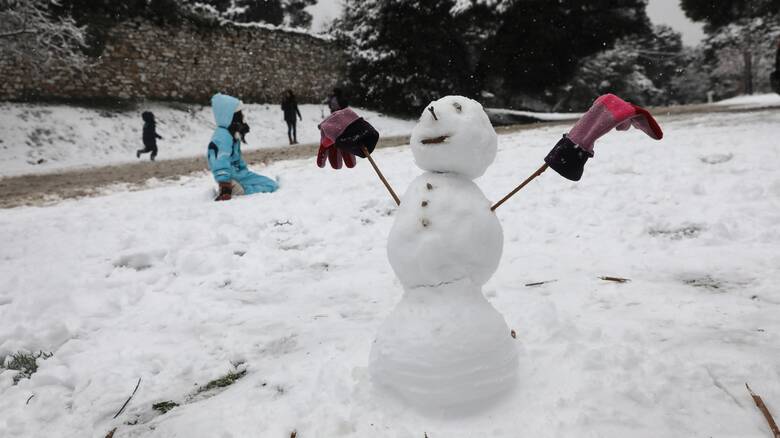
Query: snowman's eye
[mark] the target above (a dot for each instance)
(457, 106)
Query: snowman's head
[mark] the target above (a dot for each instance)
(454, 135)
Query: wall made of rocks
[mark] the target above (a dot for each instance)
(186, 63)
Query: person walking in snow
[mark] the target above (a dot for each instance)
(774, 77)
(336, 101)
(224, 152)
(290, 109)
(149, 137)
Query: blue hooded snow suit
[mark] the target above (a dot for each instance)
(224, 151)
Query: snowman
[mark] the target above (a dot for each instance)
(444, 346)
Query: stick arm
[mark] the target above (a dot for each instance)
(538, 172)
(381, 177)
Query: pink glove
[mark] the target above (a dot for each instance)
(607, 112)
(334, 155)
(330, 130)
(569, 155)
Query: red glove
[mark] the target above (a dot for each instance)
(334, 155)
(225, 191)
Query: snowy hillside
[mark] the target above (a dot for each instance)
(45, 138)
(281, 294)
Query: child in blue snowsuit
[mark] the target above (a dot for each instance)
(224, 151)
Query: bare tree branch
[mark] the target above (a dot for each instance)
(15, 33)
(32, 34)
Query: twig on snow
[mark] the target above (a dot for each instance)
(28, 400)
(764, 410)
(616, 279)
(128, 400)
(539, 283)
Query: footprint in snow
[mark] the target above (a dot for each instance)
(139, 261)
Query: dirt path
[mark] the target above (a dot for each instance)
(50, 188)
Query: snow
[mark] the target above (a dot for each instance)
(752, 101)
(546, 117)
(292, 287)
(65, 137)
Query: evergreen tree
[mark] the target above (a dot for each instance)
(717, 13)
(255, 11)
(539, 42)
(404, 53)
(639, 68)
(274, 12)
(295, 13)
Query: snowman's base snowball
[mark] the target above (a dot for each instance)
(445, 348)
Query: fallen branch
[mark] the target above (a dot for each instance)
(128, 400)
(615, 279)
(764, 410)
(539, 283)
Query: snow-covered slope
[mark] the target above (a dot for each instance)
(43, 138)
(752, 101)
(165, 285)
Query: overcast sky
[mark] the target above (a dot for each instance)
(660, 11)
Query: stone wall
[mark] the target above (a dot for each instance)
(187, 63)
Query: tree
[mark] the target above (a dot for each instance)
(275, 12)
(740, 34)
(639, 68)
(717, 13)
(739, 57)
(295, 13)
(403, 53)
(28, 30)
(539, 42)
(255, 11)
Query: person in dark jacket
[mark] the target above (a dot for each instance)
(336, 101)
(290, 109)
(774, 77)
(150, 136)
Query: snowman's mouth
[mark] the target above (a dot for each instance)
(435, 140)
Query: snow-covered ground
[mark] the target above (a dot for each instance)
(165, 285)
(752, 101)
(43, 138)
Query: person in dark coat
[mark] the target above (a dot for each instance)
(290, 109)
(774, 77)
(336, 101)
(150, 136)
